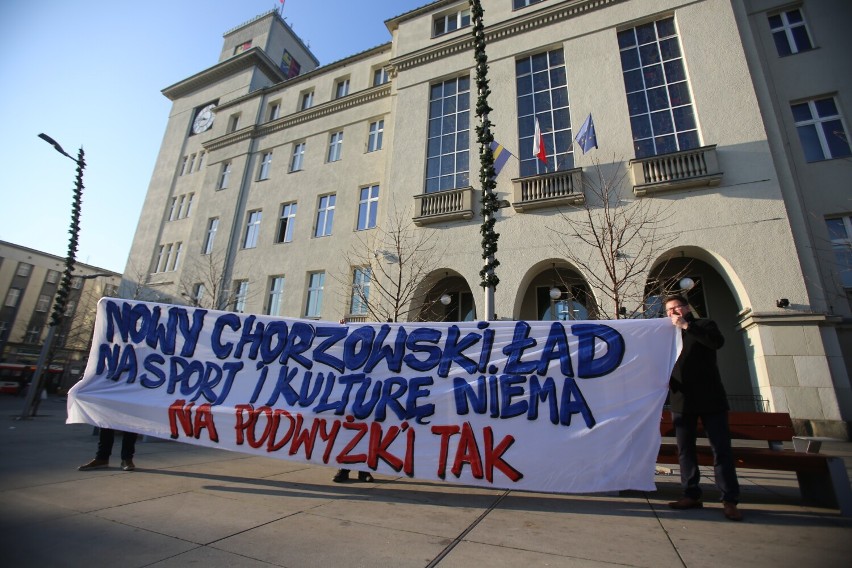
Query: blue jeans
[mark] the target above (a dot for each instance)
(106, 439)
(719, 436)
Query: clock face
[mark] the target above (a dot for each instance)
(204, 119)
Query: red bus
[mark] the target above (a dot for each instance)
(14, 377)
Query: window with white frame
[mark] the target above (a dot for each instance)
(448, 144)
(252, 229)
(33, 334)
(374, 139)
(70, 306)
(335, 146)
(186, 205)
(191, 164)
(274, 110)
(286, 220)
(447, 23)
(173, 209)
(325, 215)
(241, 288)
(542, 87)
(840, 233)
(518, 4)
(662, 117)
(790, 32)
(24, 269)
(224, 176)
(368, 206)
(298, 157)
(341, 88)
(198, 291)
(380, 76)
(361, 277)
(183, 165)
(76, 282)
(212, 227)
(307, 100)
(821, 129)
(52, 276)
(163, 257)
(276, 296)
(43, 303)
(316, 283)
(178, 254)
(265, 164)
(233, 122)
(201, 157)
(12, 297)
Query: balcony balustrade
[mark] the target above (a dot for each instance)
(676, 171)
(549, 190)
(449, 205)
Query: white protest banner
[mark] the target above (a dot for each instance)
(568, 407)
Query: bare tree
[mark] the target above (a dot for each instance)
(202, 284)
(134, 285)
(615, 242)
(391, 263)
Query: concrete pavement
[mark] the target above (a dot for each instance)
(187, 505)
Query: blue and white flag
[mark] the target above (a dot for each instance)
(586, 137)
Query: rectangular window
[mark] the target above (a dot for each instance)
(201, 157)
(76, 282)
(191, 164)
(12, 297)
(43, 303)
(178, 253)
(374, 140)
(298, 157)
(166, 258)
(542, 87)
(162, 257)
(662, 118)
(225, 176)
(245, 46)
(212, 227)
(448, 145)
(450, 22)
(69, 308)
(820, 129)
(274, 110)
(240, 295)
(335, 146)
(183, 165)
(252, 229)
(189, 202)
(33, 334)
(790, 32)
(840, 233)
(316, 282)
(173, 209)
(368, 206)
(325, 215)
(233, 122)
(265, 164)
(341, 88)
(52, 276)
(380, 77)
(307, 100)
(285, 223)
(198, 291)
(518, 4)
(24, 269)
(360, 291)
(276, 295)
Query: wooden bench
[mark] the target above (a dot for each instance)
(822, 479)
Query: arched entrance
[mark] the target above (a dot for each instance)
(449, 299)
(708, 293)
(555, 291)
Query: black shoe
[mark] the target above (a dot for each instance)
(365, 476)
(94, 464)
(341, 476)
(127, 465)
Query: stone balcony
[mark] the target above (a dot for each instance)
(441, 206)
(672, 172)
(549, 190)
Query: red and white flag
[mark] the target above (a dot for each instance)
(538, 144)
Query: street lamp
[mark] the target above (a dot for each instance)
(61, 299)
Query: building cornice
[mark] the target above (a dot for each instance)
(252, 58)
(540, 18)
(307, 115)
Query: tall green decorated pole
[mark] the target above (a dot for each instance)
(60, 302)
(489, 204)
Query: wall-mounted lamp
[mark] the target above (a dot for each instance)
(782, 303)
(445, 299)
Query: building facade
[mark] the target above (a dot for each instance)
(29, 280)
(288, 188)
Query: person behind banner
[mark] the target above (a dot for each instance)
(696, 392)
(106, 438)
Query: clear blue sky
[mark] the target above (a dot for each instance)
(89, 73)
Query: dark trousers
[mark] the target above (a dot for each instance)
(719, 436)
(106, 440)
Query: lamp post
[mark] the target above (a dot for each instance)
(61, 299)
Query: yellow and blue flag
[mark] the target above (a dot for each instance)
(501, 156)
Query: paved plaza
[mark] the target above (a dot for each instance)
(192, 506)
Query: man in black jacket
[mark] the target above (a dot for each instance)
(696, 391)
